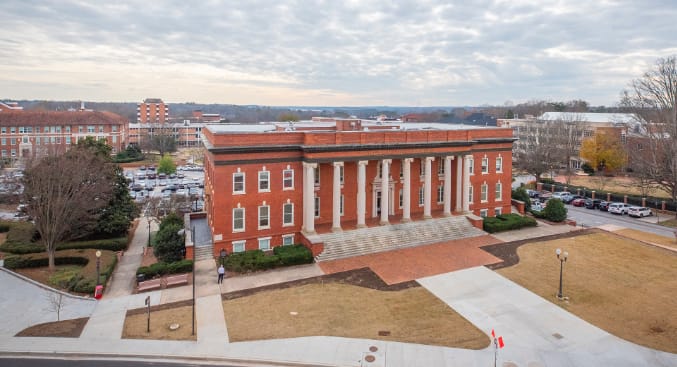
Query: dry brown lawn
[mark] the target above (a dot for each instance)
(410, 315)
(648, 237)
(613, 184)
(136, 324)
(620, 285)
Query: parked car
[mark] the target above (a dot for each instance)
(533, 194)
(559, 194)
(604, 206)
(569, 198)
(618, 208)
(536, 206)
(578, 202)
(592, 203)
(639, 211)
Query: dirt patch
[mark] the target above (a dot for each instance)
(162, 320)
(618, 284)
(58, 329)
(409, 315)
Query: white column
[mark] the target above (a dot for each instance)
(406, 189)
(385, 185)
(447, 185)
(309, 197)
(427, 187)
(361, 193)
(336, 224)
(466, 183)
(459, 184)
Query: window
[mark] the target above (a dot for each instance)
(12, 130)
(264, 243)
(287, 214)
(317, 207)
(440, 194)
(341, 205)
(440, 167)
(421, 169)
(115, 139)
(483, 213)
(471, 166)
(80, 129)
(498, 211)
(90, 129)
(264, 217)
(114, 128)
(4, 153)
(238, 219)
(341, 175)
(24, 140)
(22, 130)
(13, 152)
(485, 165)
(101, 129)
(29, 129)
(288, 179)
(238, 183)
(421, 196)
(58, 129)
(499, 164)
(287, 239)
(12, 141)
(483, 193)
(37, 140)
(238, 246)
(3, 130)
(4, 141)
(499, 193)
(317, 175)
(68, 129)
(470, 194)
(401, 201)
(264, 181)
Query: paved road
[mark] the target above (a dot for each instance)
(594, 217)
(30, 362)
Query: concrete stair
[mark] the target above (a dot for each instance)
(204, 252)
(338, 245)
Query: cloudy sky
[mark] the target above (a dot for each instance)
(332, 52)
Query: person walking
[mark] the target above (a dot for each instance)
(222, 272)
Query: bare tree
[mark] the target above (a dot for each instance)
(569, 132)
(653, 97)
(55, 303)
(159, 137)
(66, 194)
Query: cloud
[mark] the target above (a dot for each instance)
(331, 52)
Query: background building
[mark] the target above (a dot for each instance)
(27, 134)
(274, 184)
(152, 110)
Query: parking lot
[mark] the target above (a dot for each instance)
(186, 185)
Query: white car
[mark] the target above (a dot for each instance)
(560, 194)
(639, 211)
(618, 208)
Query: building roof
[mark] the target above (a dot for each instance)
(610, 118)
(152, 100)
(41, 118)
(324, 125)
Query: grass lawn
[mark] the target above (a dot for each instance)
(618, 284)
(136, 323)
(613, 184)
(669, 223)
(411, 315)
(648, 237)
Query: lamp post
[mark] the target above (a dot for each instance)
(148, 232)
(222, 255)
(562, 257)
(98, 266)
(182, 232)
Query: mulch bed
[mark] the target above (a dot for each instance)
(507, 251)
(59, 329)
(363, 277)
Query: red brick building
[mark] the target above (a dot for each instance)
(152, 110)
(272, 184)
(26, 134)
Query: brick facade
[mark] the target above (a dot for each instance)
(242, 153)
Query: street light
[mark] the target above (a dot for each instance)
(98, 266)
(562, 256)
(148, 232)
(182, 232)
(222, 255)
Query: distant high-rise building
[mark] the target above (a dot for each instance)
(152, 110)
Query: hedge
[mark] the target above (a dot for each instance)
(507, 222)
(17, 262)
(160, 268)
(20, 248)
(4, 227)
(252, 260)
(127, 160)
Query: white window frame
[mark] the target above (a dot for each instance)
(421, 196)
(499, 164)
(287, 183)
(498, 211)
(316, 170)
(401, 199)
(341, 175)
(440, 166)
(471, 165)
(484, 193)
(239, 174)
(237, 244)
(499, 191)
(266, 217)
(264, 240)
(484, 213)
(243, 220)
(284, 214)
(440, 194)
(485, 165)
(286, 237)
(264, 178)
(470, 194)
